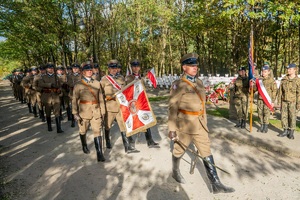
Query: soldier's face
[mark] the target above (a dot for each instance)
(113, 71)
(50, 70)
(190, 70)
(34, 72)
(265, 73)
(291, 71)
(95, 70)
(59, 71)
(135, 69)
(75, 70)
(87, 73)
(242, 73)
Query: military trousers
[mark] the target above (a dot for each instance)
(288, 115)
(95, 125)
(263, 112)
(110, 117)
(241, 106)
(39, 100)
(200, 140)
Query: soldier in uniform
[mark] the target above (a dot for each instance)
(72, 80)
(64, 95)
(188, 123)
(111, 84)
(289, 98)
(241, 93)
(96, 73)
(38, 91)
(136, 67)
(69, 70)
(88, 109)
(263, 110)
(30, 92)
(51, 90)
(25, 84)
(19, 89)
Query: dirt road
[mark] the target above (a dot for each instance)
(37, 164)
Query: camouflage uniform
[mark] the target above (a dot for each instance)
(289, 96)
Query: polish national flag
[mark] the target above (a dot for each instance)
(128, 71)
(152, 78)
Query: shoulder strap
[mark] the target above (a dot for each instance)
(197, 92)
(89, 88)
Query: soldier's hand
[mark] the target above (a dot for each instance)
(173, 135)
(77, 118)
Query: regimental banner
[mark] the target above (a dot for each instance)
(136, 111)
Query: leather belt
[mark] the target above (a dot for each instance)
(88, 102)
(191, 112)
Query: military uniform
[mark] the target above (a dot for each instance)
(96, 72)
(64, 96)
(289, 97)
(128, 79)
(240, 98)
(38, 91)
(187, 118)
(51, 89)
(112, 107)
(71, 81)
(262, 109)
(19, 89)
(88, 108)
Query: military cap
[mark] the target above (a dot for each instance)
(13, 71)
(87, 66)
(96, 66)
(33, 68)
(267, 64)
(135, 62)
(266, 67)
(189, 59)
(49, 65)
(42, 67)
(27, 70)
(60, 67)
(69, 68)
(292, 65)
(113, 64)
(242, 68)
(17, 70)
(75, 65)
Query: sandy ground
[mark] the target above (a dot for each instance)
(37, 164)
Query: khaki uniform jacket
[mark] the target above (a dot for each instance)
(82, 98)
(35, 83)
(45, 83)
(241, 87)
(96, 77)
(63, 82)
(27, 83)
(184, 97)
(271, 87)
(289, 90)
(109, 90)
(71, 81)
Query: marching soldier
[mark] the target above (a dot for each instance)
(269, 85)
(111, 84)
(64, 95)
(289, 98)
(17, 81)
(51, 90)
(72, 80)
(38, 91)
(25, 83)
(88, 109)
(187, 121)
(136, 67)
(241, 93)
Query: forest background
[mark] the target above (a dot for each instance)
(158, 32)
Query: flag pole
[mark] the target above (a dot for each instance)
(251, 87)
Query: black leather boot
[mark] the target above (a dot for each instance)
(238, 124)
(49, 123)
(98, 146)
(243, 123)
(217, 186)
(284, 133)
(150, 141)
(261, 129)
(266, 128)
(107, 139)
(42, 115)
(29, 107)
(175, 171)
(127, 146)
(69, 113)
(73, 121)
(131, 147)
(291, 134)
(34, 111)
(58, 125)
(61, 115)
(84, 145)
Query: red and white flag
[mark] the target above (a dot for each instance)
(152, 78)
(136, 111)
(264, 94)
(128, 71)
